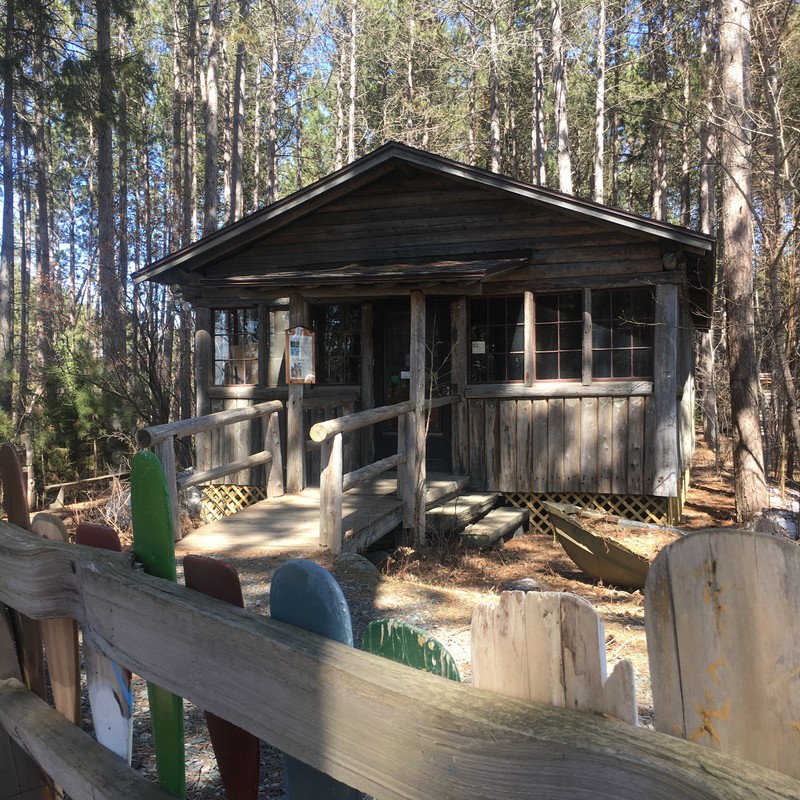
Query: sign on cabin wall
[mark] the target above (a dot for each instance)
(300, 353)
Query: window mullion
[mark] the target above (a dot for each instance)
(529, 351)
(586, 367)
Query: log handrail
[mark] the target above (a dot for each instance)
(150, 437)
(380, 727)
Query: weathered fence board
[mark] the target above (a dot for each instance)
(373, 724)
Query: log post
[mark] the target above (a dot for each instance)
(367, 380)
(165, 451)
(295, 442)
(272, 444)
(406, 433)
(204, 379)
(330, 494)
(460, 439)
(417, 395)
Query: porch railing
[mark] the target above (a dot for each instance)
(334, 482)
(161, 438)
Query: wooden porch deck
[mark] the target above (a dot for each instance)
(291, 522)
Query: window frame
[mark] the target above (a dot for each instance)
(249, 326)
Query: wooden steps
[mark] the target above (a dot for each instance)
(473, 517)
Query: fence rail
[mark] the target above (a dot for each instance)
(378, 726)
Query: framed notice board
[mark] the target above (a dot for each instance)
(300, 355)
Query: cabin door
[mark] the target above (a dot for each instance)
(393, 373)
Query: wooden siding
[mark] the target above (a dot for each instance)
(418, 215)
(589, 444)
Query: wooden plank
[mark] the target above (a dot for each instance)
(272, 445)
(293, 689)
(589, 431)
(572, 444)
(507, 481)
(477, 444)
(619, 469)
(416, 391)
(330, 495)
(529, 353)
(491, 439)
(605, 444)
(547, 390)
(636, 440)
(526, 456)
(165, 452)
(539, 445)
(548, 647)
(77, 763)
(367, 379)
(663, 422)
(707, 595)
(555, 445)
(458, 376)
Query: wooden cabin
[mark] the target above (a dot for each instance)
(546, 340)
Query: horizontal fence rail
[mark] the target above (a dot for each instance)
(378, 726)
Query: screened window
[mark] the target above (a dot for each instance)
(235, 346)
(338, 329)
(622, 333)
(497, 340)
(558, 332)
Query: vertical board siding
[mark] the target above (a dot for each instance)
(619, 421)
(477, 444)
(492, 443)
(605, 444)
(539, 439)
(509, 458)
(588, 444)
(525, 451)
(572, 445)
(555, 442)
(636, 434)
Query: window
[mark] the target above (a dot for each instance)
(235, 346)
(620, 346)
(622, 333)
(496, 340)
(558, 336)
(338, 329)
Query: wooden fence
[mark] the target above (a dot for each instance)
(373, 724)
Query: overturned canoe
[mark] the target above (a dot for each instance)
(598, 556)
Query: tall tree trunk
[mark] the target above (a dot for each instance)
(178, 118)
(225, 123)
(189, 200)
(237, 148)
(351, 108)
(113, 334)
(658, 128)
(210, 197)
(412, 38)
(299, 142)
(538, 140)
(600, 105)
(124, 156)
(257, 122)
(338, 153)
(737, 236)
(560, 102)
(272, 121)
(7, 288)
(24, 286)
(495, 155)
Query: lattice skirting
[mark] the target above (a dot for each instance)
(222, 500)
(658, 510)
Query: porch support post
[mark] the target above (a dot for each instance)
(663, 432)
(367, 381)
(417, 395)
(460, 443)
(203, 380)
(295, 445)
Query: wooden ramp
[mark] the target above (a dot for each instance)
(291, 522)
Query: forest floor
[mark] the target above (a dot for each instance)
(438, 589)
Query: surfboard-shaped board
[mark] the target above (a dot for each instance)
(237, 750)
(154, 547)
(27, 632)
(306, 595)
(108, 684)
(60, 636)
(407, 644)
(20, 776)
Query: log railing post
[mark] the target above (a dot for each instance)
(330, 494)
(417, 395)
(165, 450)
(274, 469)
(406, 437)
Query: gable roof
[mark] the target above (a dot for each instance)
(244, 233)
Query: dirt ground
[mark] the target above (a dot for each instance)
(438, 590)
